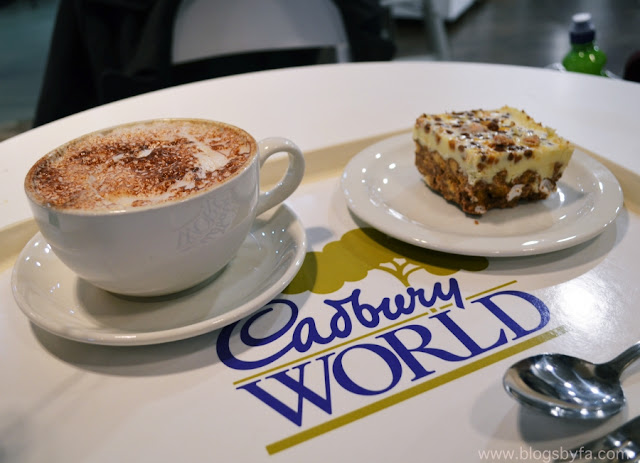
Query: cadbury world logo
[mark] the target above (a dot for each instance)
(301, 360)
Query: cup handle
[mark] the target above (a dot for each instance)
(291, 179)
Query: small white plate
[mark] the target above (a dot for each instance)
(383, 187)
(55, 299)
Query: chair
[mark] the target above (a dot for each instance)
(215, 28)
(433, 13)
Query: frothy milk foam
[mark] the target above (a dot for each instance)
(139, 165)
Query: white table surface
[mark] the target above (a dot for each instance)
(67, 401)
(327, 105)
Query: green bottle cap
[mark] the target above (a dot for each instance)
(582, 30)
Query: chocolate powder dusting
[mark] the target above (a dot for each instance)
(139, 165)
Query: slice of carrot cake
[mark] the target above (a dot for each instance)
(485, 159)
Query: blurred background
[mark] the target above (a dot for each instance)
(519, 32)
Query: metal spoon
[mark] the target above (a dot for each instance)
(621, 444)
(569, 387)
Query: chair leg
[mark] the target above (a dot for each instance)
(435, 30)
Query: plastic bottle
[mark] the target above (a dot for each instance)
(584, 56)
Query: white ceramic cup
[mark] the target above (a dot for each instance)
(172, 246)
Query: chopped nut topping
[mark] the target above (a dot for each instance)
(531, 140)
(501, 139)
(476, 127)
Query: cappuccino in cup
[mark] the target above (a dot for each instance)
(139, 165)
(155, 207)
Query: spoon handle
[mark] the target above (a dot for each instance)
(618, 445)
(625, 359)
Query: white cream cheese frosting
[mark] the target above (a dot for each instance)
(486, 142)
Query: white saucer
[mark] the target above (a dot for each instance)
(383, 187)
(55, 299)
